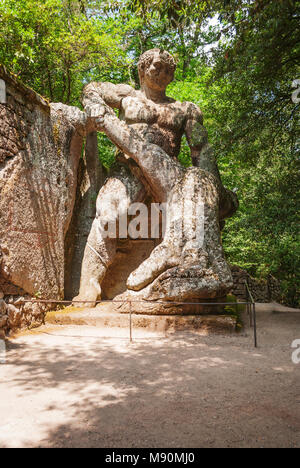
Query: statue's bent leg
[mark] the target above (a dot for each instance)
(113, 202)
(99, 251)
(160, 260)
(192, 240)
(98, 254)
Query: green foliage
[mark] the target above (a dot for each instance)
(55, 46)
(106, 151)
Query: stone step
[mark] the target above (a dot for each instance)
(104, 317)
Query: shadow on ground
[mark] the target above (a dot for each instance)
(71, 388)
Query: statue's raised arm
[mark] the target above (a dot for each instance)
(112, 94)
(203, 156)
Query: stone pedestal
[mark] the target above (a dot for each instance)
(107, 316)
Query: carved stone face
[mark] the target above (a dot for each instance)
(157, 74)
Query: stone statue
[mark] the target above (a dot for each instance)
(188, 265)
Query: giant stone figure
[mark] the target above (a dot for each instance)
(188, 265)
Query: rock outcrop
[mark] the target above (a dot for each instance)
(40, 148)
(89, 181)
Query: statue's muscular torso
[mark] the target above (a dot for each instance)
(162, 124)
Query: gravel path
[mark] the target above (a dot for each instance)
(77, 386)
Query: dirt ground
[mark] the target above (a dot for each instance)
(79, 386)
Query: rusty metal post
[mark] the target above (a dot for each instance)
(254, 323)
(130, 322)
(251, 315)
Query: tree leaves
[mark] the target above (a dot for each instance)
(52, 44)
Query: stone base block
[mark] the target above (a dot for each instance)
(106, 316)
(163, 308)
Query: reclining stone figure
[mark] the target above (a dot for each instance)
(148, 133)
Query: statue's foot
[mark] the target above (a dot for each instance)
(83, 301)
(162, 258)
(88, 295)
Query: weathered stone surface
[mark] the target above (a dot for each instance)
(2, 307)
(90, 180)
(113, 200)
(14, 317)
(263, 290)
(183, 268)
(189, 264)
(9, 288)
(129, 255)
(3, 321)
(108, 316)
(40, 148)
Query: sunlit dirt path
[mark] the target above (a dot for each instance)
(78, 386)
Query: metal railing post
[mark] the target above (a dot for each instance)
(250, 304)
(252, 313)
(254, 323)
(130, 322)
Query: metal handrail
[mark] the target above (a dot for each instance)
(250, 306)
(125, 301)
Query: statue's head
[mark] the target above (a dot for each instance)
(156, 68)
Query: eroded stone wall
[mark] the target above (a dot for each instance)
(40, 148)
(262, 290)
(91, 176)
